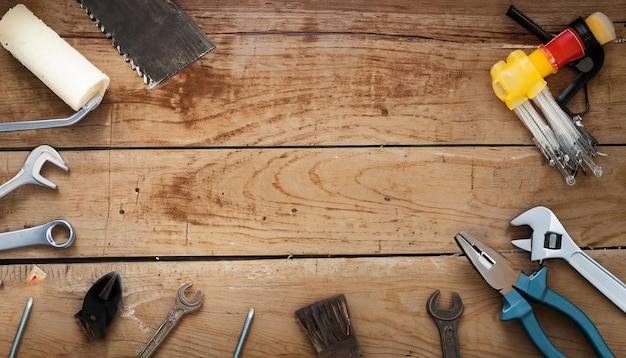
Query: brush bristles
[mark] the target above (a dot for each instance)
(326, 322)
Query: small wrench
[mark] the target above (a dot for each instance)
(38, 235)
(181, 307)
(446, 322)
(30, 172)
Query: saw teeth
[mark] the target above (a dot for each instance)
(109, 36)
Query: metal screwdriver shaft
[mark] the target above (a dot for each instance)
(20, 329)
(244, 333)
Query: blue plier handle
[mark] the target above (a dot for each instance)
(535, 287)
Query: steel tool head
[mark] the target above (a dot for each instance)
(100, 305)
(36, 160)
(445, 315)
(492, 266)
(188, 304)
(548, 239)
(157, 38)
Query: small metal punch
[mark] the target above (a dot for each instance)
(20, 329)
(30, 171)
(244, 333)
(181, 307)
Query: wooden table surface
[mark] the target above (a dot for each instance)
(323, 147)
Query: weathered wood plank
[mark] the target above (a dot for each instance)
(467, 21)
(277, 145)
(316, 201)
(314, 89)
(285, 90)
(388, 313)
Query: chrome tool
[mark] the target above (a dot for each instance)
(446, 323)
(516, 287)
(53, 123)
(244, 333)
(181, 307)
(30, 171)
(39, 235)
(20, 329)
(550, 240)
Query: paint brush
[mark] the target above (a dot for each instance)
(327, 323)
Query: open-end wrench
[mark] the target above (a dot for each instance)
(181, 307)
(550, 240)
(30, 171)
(446, 322)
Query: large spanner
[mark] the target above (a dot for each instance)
(550, 240)
(446, 323)
(30, 171)
(181, 307)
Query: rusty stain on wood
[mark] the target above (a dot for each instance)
(322, 147)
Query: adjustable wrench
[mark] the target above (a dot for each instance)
(550, 240)
(446, 322)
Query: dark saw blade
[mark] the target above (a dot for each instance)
(156, 37)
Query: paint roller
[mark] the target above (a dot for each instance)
(55, 62)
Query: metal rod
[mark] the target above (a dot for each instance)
(20, 329)
(244, 333)
(519, 17)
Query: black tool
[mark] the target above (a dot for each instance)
(101, 303)
(446, 322)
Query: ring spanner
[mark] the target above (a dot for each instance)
(39, 235)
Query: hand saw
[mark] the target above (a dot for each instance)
(156, 37)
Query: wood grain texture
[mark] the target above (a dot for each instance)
(324, 147)
(312, 89)
(224, 202)
(387, 313)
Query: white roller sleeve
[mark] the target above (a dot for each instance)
(57, 64)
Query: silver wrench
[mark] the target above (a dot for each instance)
(39, 235)
(181, 307)
(30, 171)
(550, 240)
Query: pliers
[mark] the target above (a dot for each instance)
(515, 288)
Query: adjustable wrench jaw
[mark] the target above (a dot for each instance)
(549, 238)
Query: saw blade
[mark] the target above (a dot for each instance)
(156, 37)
